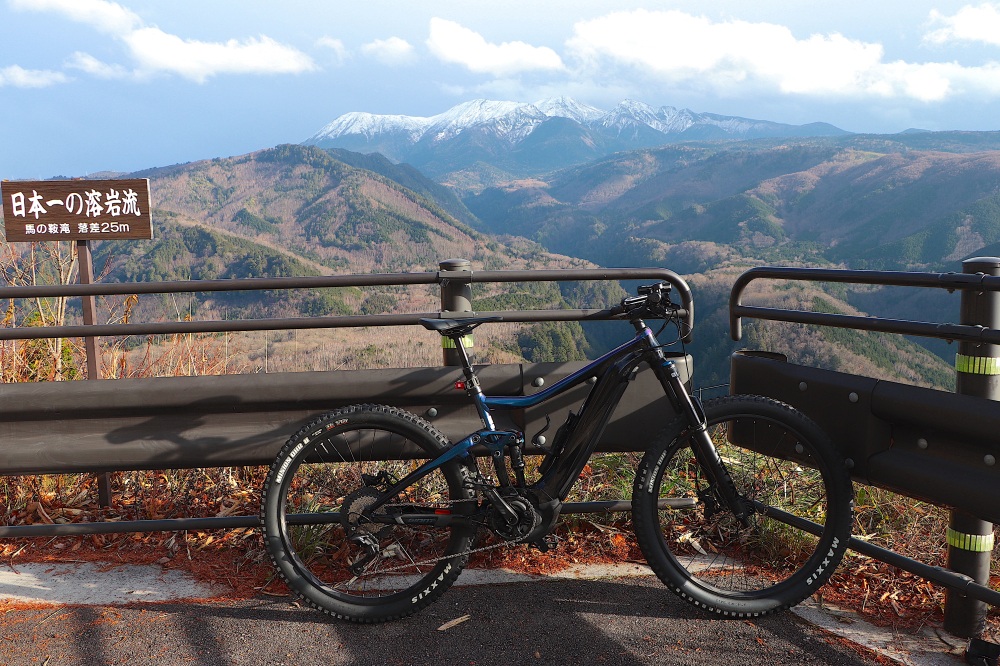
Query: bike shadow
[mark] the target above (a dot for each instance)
(628, 622)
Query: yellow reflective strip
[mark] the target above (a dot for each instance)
(977, 543)
(977, 365)
(467, 342)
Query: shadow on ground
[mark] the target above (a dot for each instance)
(627, 622)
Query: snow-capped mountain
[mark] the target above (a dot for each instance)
(512, 121)
(370, 126)
(524, 138)
(565, 107)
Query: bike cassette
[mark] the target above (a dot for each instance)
(353, 510)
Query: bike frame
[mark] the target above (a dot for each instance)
(567, 458)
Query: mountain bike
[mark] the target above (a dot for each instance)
(740, 505)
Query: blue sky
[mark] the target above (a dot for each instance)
(92, 85)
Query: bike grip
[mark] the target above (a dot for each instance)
(687, 305)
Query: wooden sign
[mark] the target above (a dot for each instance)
(92, 210)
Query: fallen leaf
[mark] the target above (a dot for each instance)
(455, 622)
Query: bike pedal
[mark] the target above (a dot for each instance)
(546, 543)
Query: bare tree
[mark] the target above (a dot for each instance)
(53, 262)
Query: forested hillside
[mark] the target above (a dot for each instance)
(298, 210)
(913, 202)
(706, 210)
(837, 201)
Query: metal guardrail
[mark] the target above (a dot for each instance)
(914, 441)
(319, 282)
(948, 281)
(143, 423)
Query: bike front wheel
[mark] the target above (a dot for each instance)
(801, 509)
(330, 472)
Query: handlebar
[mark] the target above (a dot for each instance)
(680, 287)
(652, 302)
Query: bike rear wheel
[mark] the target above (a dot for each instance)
(317, 487)
(784, 466)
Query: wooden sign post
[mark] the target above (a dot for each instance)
(81, 211)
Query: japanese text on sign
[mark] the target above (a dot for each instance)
(76, 209)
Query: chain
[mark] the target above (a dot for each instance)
(470, 551)
(476, 481)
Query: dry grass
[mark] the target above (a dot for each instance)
(885, 594)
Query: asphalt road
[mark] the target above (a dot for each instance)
(628, 622)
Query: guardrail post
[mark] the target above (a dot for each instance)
(456, 300)
(86, 270)
(977, 372)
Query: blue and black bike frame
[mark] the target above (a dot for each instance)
(577, 440)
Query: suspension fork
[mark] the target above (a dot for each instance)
(701, 441)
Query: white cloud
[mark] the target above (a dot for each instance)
(733, 56)
(154, 50)
(335, 45)
(158, 51)
(454, 43)
(109, 17)
(970, 24)
(392, 51)
(91, 65)
(19, 77)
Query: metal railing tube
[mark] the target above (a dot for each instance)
(962, 333)
(294, 323)
(245, 522)
(165, 328)
(621, 506)
(948, 281)
(949, 579)
(126, 526)
(199, 286)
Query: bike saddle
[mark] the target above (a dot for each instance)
(456, 327)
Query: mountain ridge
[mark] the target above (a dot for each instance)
(520, 139)
(857, 202)
(627, 113)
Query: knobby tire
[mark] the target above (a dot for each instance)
(778, 459)
(319, 473)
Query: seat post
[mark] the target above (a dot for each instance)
(470, 374)
(472, 386)
(463, 355)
